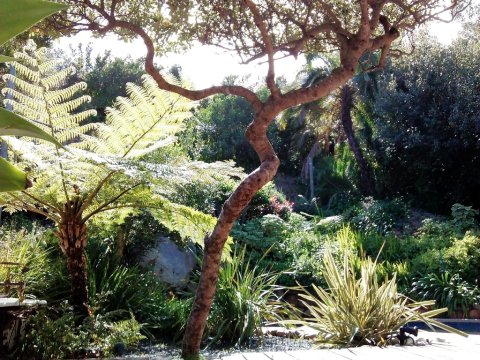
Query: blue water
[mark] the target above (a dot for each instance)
(468, 326)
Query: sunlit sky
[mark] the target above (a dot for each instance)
(206, 65)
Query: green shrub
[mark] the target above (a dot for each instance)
(378, 216)
(463, 217)
(428, 261)
(434, 234)
(53, 334)
(357, 308)
(205, 196)
(448, 290)
(334, 174)
(116, 289)
(42, 271)
(463, 256)
(243, 301)
(269, 200)
(281, 246)
(387, 247)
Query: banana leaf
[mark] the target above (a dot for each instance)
(12, 178)
(4, 58)
(16, 16)
(12, 124)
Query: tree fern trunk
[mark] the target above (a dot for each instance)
(367, 186)
(72, 233)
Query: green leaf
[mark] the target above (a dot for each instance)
(14, 125)
(12, 178)
(4, 58)
(16, 16)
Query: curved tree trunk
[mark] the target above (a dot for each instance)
(72, 232)
(256, 135)
(367, 187)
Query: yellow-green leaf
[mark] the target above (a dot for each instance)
(12, 178)
(4, 58)
(16, 16)
(14, 125)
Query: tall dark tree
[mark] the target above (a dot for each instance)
(428, 124)
(367, 186)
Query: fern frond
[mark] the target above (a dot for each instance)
(57, 79)
(31, 89)
(27, 60)
(20, 98)
(38, 95)
(143, 122)
(69, 106)
(61, 95)
(26, 72)
(189, 223)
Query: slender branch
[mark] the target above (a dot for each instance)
(267, 41)
(94, 193)
(106, 203)
(47, 205)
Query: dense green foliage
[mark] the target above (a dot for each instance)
(55, 335)
(427, 127)
(416, 123)
(104, 75)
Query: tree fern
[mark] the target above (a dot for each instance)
(103, 171)
(41, 94)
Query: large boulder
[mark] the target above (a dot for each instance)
(169, 262)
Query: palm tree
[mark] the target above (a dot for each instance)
(325, 117)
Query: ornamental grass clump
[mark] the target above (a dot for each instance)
(247, 296)
(358, 309)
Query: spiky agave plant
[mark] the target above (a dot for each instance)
(102, 171)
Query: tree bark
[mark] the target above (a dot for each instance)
(367, 187)
(72, 233)
(256, 135)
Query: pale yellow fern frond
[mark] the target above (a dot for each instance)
(57, 79)
(148, 119)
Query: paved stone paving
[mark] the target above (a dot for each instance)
(437, 346)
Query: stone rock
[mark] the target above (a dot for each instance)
(474, 314)
(169, 262)
(331, 220)
(302, 332)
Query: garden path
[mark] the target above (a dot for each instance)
(441, 347)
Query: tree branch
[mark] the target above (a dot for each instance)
(267, 41)
(106, 203)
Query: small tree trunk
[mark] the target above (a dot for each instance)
(231, 210)
(79, 287)
(120, 240)
(72, 233)
(367, 186)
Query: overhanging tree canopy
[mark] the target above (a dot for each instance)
(255, 29)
